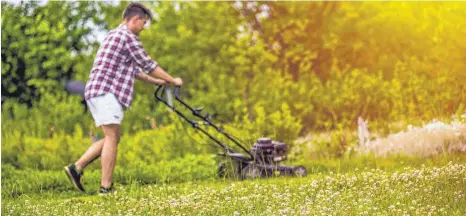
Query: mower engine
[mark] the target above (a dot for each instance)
(267, 151)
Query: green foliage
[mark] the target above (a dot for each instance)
(324, 37)
(32, 152)
(187, 168)
(191, 42)
(278, 69)
(279, 125)
(164, 143)
(329, 146)
(41, 46)
(55, 112)
(143, 149)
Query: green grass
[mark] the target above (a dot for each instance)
(404, 186)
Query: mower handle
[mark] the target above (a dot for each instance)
(156, 93)
(177, 92)
(195, 124)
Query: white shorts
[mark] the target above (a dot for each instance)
(105, 109)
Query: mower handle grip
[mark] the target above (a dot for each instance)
(177, 92)
(160, 96)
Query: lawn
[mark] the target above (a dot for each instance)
(408, 190)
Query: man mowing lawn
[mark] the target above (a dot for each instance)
(109, 91)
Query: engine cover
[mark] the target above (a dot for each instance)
(268, 151)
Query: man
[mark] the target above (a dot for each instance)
(110, 90)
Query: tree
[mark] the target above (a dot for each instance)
(41, 45)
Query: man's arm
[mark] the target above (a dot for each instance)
(159, 72)
(142, 59)
(148, 79)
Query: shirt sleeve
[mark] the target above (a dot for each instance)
(138, 70)
(139, 55)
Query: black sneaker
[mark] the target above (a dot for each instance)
(104, 190)
(74, 176)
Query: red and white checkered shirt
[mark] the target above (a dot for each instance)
(116, 64)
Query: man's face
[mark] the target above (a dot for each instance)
(139, 23)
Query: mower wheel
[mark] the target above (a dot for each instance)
(299, 171)
(251, 172)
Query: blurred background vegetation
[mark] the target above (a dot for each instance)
(277, 69)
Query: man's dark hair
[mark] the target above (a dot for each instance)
(136, 9)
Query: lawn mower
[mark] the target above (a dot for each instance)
(261, 161)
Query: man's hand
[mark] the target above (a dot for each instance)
(178, 81)
(160, 82)
(160, 73)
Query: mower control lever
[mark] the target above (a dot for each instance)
(195, 123)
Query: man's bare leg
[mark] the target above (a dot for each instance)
(109, 152)
(91, 154)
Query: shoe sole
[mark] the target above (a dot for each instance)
(70, 177)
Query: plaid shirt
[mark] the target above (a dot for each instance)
(116, 65)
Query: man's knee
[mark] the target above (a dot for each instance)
(115, 138)
(112, 132)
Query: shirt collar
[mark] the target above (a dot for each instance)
(123, 26)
